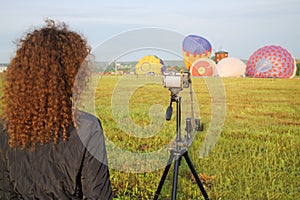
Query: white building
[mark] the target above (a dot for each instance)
(3, 68)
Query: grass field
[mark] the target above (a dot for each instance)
(256, 156)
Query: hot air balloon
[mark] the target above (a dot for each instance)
(203, 67)
(271, 61)
(195, 47)
(231, 67)
(150, 64)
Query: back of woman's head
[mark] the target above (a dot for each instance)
(37, 102)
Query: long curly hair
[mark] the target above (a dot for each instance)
(39, 85)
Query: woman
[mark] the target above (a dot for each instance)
(49, 150)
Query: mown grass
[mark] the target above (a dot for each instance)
(256, 156)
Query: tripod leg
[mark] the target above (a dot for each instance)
(190, 164)
(175, 176)
(164, 176)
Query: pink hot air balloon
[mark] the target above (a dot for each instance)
(231, 67)
(271, 61)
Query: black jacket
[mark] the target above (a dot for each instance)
(75, 169)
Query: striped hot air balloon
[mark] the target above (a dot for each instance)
(195, 47)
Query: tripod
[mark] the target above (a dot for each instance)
(179, 151)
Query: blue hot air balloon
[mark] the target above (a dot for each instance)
(195, 47)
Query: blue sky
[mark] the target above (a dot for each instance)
(239, 27)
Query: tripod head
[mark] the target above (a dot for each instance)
(190, 127)
(175, 82)
(174, 98)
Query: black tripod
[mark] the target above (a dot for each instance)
(179, 151)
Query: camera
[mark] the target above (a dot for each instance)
(176, 80)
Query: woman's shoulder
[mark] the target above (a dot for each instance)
(85, 117)
(88, 126)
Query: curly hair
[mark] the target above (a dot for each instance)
(39, 85)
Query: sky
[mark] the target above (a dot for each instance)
(237, 26)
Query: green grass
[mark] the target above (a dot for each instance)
(256, 156)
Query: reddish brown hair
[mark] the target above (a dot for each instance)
(39, 85)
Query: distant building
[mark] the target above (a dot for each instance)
(220, 55)
(3, 68)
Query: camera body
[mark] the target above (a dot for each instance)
(176, 80)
